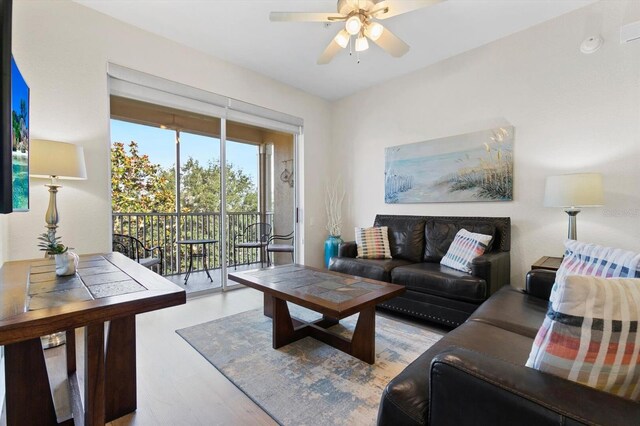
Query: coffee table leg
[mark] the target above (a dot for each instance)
(268, 306)
(363, 342)
(283, 330)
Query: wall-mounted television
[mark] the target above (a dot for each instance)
(14, 124)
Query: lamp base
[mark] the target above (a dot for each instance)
(573, 233)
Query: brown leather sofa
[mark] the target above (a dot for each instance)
(434, 292)
(476, 374)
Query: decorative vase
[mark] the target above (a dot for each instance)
(331, 246)
(66, 263)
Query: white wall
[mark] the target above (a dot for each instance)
(62, 49)
(572, 112)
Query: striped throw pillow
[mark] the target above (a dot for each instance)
(465, 247)
(590, 335)
(595, 260)
(373, 243)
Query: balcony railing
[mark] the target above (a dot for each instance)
(163, 229)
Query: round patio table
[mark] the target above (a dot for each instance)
(193, 254)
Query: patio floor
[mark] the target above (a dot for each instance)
(199, 283)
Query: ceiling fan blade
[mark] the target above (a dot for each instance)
(387, 8)
(332, 50)
(390, 43)
(305, 17)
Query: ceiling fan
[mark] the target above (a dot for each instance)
(361, 22)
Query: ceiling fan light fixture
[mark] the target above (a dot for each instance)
(361, 44)
(353, 25)
(374, 30)
(342, 38)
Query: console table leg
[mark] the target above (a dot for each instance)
(71, 351)
(94, 388)
(120, 380)
(363, 344)
(28, 396)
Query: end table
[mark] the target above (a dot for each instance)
(549, 263)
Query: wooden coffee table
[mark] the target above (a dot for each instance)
(334, 295)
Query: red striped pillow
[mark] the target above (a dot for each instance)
(373, 243)
(465, 247)
(590, 334)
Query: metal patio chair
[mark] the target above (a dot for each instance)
(253, 237)
(134, 249)
(273, 247)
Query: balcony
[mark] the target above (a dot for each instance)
(161, 229)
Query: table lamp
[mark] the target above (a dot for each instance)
(573, 191)
(56, 160)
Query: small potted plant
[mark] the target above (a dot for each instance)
(66, 261)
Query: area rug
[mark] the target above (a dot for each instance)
(307, 382)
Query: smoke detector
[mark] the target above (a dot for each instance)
(591, 44)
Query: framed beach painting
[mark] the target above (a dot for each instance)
(475, 166)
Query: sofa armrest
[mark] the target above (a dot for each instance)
(494, 268)
(539, 283)
(348, 249)
(499, 392)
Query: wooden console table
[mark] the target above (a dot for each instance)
(34, 302)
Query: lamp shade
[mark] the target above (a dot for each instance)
(59, 159)
(574, 190)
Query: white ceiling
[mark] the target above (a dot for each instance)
(239, 31)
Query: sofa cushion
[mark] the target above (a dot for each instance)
(513, 310)
(373, 243)
(368, 268)
(433, 278)
(405, 400)
(589, 334)
(439, 234)
(406, 236)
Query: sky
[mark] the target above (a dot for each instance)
(19, 90)
(159, 145)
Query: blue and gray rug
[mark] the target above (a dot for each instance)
(307, 382)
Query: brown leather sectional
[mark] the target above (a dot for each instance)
(476, 374)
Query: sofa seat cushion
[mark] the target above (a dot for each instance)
(405, 400)
(434, 278)
(512, 310)
(375, 269)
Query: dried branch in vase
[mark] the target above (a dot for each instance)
(333, 203)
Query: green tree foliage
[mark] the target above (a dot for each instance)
(140, 186)
(200, 188)
(19, 125)
(137, 184)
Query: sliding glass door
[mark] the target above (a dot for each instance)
(208, 193)
(260, 195)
